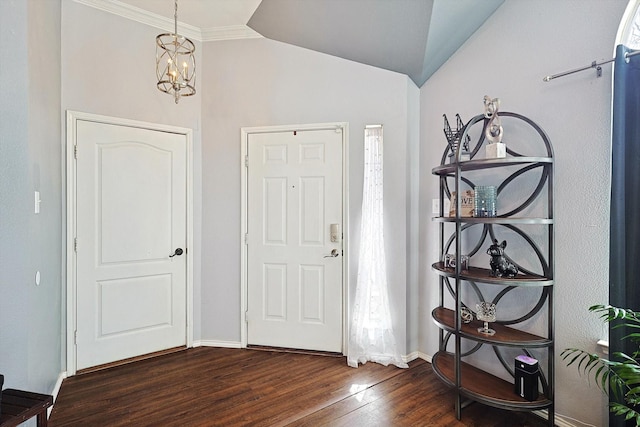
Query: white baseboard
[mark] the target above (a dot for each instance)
(416, 355)
(211, 343)
(561, 420)
(56, 390)
(236, 344)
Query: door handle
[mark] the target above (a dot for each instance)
(334, 253)
(178, 252)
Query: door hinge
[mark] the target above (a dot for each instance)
(75, 337)
(75, 151)
(246, 316)
(246, 238)
(75, 244)
(246, 161)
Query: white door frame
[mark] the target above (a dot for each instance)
(71, 281)
(244, 285)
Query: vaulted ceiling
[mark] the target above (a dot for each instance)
(413, 37)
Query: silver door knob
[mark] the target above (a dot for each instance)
(334, 253)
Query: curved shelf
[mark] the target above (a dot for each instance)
(483, 387)
(483, 275)
(529, 219)
(470, 165)
(495, 220)
(505, 336)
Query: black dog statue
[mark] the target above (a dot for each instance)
(500, 266)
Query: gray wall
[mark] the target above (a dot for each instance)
(30, 159)
(507, 58)
(261, 82)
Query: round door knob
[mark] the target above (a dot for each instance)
(177, 252)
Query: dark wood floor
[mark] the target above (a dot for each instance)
(232, 387)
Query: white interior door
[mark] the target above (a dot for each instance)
(130, 217)
(294, 204)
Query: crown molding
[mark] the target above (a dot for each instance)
(143, 16)
(163, 23)
(232, 32)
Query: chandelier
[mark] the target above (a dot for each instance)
(175, 63)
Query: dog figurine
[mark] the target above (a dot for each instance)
(500, 266)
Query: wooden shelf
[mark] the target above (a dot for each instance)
(504, 336)
(483, 387)
(451, 168)
(483, 275)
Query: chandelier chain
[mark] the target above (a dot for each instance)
(175, 18)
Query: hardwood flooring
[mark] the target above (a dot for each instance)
(233, 387)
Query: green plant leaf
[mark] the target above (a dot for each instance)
(621, 376)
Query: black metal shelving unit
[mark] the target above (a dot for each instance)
(461, 342)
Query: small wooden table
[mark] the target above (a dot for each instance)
(18, 406)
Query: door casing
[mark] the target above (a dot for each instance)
(71, 181)
(244, 285)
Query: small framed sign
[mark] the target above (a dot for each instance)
(466, 204)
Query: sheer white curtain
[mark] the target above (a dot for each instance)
(371, 337)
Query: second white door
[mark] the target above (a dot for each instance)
(131, 217)
(294, 240)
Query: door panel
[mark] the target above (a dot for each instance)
(148, 304)
(312, 205)
(312, 289)
(120, 179)
(131, 215)
(275, 292)
(294, 195)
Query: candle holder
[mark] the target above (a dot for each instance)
(484, 201)
(486, 312)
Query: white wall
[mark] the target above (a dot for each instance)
(261, 82)
(507, 58)
(108, 68)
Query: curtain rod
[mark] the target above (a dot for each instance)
(594, 64)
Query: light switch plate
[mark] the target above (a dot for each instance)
(36, 208)
(435, 206)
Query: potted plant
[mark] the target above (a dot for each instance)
(621, 375)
